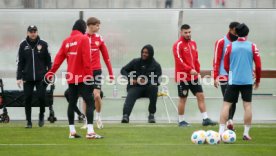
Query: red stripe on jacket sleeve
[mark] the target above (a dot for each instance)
(217, 57)
(258, 64)
(227, 58)
(178, 57)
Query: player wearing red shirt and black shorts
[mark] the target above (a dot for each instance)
(98, 47)
(187, 68)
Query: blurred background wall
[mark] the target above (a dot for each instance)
(137, 4)
(126, 31)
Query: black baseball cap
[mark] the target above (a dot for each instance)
(32, 28)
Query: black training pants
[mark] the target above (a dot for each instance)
(137, 92)
(85, 91)
(28, 87)
(66, 94)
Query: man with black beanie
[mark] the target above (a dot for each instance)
(76, 49)
(143, 76)
(220, 75)
(34, 61)
(238, 63)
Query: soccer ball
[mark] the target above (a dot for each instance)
(228, 136)
(198, 137)
(212, 137)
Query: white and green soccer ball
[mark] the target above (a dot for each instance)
(198, 137)
(228, 136)
(212, 137)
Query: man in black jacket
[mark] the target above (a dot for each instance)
(143, 75)
(34, 61)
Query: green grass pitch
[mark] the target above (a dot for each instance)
(130, 140)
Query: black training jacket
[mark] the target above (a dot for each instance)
(140, 69)
(33, 60)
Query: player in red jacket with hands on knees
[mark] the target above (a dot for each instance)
(76, 50)
(97, 47)
(187, 69)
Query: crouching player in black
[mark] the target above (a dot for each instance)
(143, 75)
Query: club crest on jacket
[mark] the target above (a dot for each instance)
(97, 43)
(185, 48)
(39, 47)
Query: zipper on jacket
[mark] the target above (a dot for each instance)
(33, 56)
(191, 55)
(33, 64)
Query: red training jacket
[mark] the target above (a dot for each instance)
(97, 45)
(186, 59)
(76, 50)
(218, 58)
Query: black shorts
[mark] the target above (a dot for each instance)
(223, 86)
(97, 79)
(193, 86)
(232, 93)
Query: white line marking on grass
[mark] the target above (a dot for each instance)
(268, 145)
(139, 125)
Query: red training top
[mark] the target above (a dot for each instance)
(186, 59)
(97, 45)
(76, 50)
